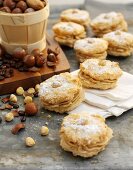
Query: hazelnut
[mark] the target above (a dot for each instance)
(13, 98)
(9, 3)
(28, 10)
(1, 3)
(44, 130)
(31, 109)
(31, 91)
(28, 99)
(22, 5)
(17, 11)
(40, 60)
(29, 60)
(19, 53)
(36, 4)
(29, 142)
(37, 87)
(52, 57)
(5, 9)
(9, 117)
(20, 91)
(35, 52)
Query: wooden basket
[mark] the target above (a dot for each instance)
(24, 30)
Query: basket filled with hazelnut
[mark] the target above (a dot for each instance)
(23, 24)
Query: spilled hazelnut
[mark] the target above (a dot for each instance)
(44, 130)
(9, 117)
(28, 99)
(20, 91)
(31, 91)
(19, 53)
(29, 60)
(31, 109)
(13, 98)
(29, 142)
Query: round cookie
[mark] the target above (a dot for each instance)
(91, 48)
(61, 93)
(66, 33)
(84, 135)
(108, 22)
(120, 43)
(99, 74)
(76, 15)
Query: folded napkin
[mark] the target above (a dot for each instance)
(109, 102)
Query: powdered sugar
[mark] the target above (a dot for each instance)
(93, 66)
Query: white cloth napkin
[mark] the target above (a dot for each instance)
(109, 102)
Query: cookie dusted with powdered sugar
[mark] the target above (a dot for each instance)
(90, 48)
(61, 93)
(99, 74)
(81, 17)
(108, 22)
(120, 43)
(66, 33)
(84, 135)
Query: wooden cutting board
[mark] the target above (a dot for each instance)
(30, 79)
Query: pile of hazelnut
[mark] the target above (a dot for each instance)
(31, 109)
(21, 6)
(23, 62)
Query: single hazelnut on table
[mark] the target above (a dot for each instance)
(52, 57)
(31, 91)
(44, 130)
(5, 9)
(28, 99)
(29, 142)
(29, 10)
(19, 53)
(17, 11)
(13, 98)
(20, 91)
(31, 109)
(22, 5)
(35, 52)
(37, 87)
(9, 117)
(29, 60)
(9, 3)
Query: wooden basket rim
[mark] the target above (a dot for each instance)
(25, 14)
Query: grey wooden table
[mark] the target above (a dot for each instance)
(47, 153)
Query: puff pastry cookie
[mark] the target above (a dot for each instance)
(61, 93)
(76, 15)
(108, 22)
(120, 43)
(99, 74)
(84, 135)
(90, 48)
(66, 33)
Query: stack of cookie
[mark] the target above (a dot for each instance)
(120, 43)
(66, 33)
(84, 135)
(108, 22)
(99, 74)
(76, 15)
(91, 48)
(61, 93)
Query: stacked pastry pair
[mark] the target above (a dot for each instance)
(108, 22)
(76, 15)
(66, 33)
(120, 43)
(99, 74)
(61, 93)
(84, 135)
(91, 48)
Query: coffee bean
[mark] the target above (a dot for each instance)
(15, 106)
(23, 119)
(21, 113)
